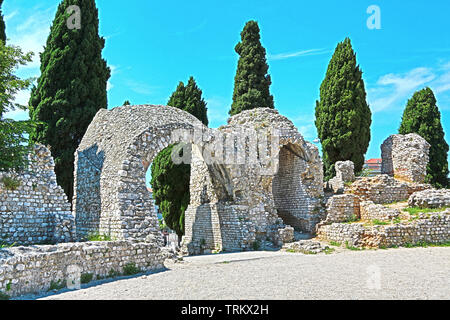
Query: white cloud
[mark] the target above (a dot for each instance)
(392, 90)
(30, 34)
(283, 56)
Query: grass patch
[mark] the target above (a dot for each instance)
(329, 250)
(86, 278)
(4, 245)
(96, 237)
(11, 183)
(377, 222)
(131, 269)
(335, 244)
(424, 244)
(416, 210)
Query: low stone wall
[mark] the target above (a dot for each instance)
(430, 199)
(342, 208)
(384, 189)
(27, 270)
(34, 210)
(371, 211)
(433, 228)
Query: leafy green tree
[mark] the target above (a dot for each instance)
(127, 103)
(170, 182)
(422, 116)
(71, 88)
(2, 25)
(252, 81)
(343, 117)
(13, 147)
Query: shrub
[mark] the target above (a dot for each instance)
(11, 183)
(130, 269)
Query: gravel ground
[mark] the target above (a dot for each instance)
(418, 273)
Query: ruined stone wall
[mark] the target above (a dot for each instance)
(384, 189)
(111, 195)
(342, 208)
(432, 228)
(371, 211)
(38, 210)
(345, 173)
(295, 205)
(405, 157)
(249, 195)
(430, 199)
(26, 270)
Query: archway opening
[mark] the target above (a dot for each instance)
(168, 183)
(291, 200)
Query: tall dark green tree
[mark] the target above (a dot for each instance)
(170, 182)
(252, 81)
(343, 117)
(2, 25)
(422, 116)
(72, 86)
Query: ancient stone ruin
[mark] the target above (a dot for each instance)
(237, 196)
(254, 180)
(33, 207)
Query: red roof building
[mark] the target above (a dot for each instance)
(373, 164)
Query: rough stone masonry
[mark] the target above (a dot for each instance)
(233, 204)
(33, 208)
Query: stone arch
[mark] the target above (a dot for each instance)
(110, 195)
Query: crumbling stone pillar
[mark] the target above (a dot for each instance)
(405, 157)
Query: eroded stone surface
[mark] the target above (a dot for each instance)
(345, 173)
(371, 211)
(405, 157)
(384, 189)
(430, 198)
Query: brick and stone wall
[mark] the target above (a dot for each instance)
(27, 270)
(342, 208)
(405, 157)
(37, 211)
(371, 211)
(430, 199)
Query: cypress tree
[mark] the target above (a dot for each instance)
(126, 103)
(170, 182)
(71, 88)
(2, 25)
(343, 117)
(252, 81)
(422, 116)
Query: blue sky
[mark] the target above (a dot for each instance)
(152, 45)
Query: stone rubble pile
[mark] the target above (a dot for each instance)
(305, 246)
